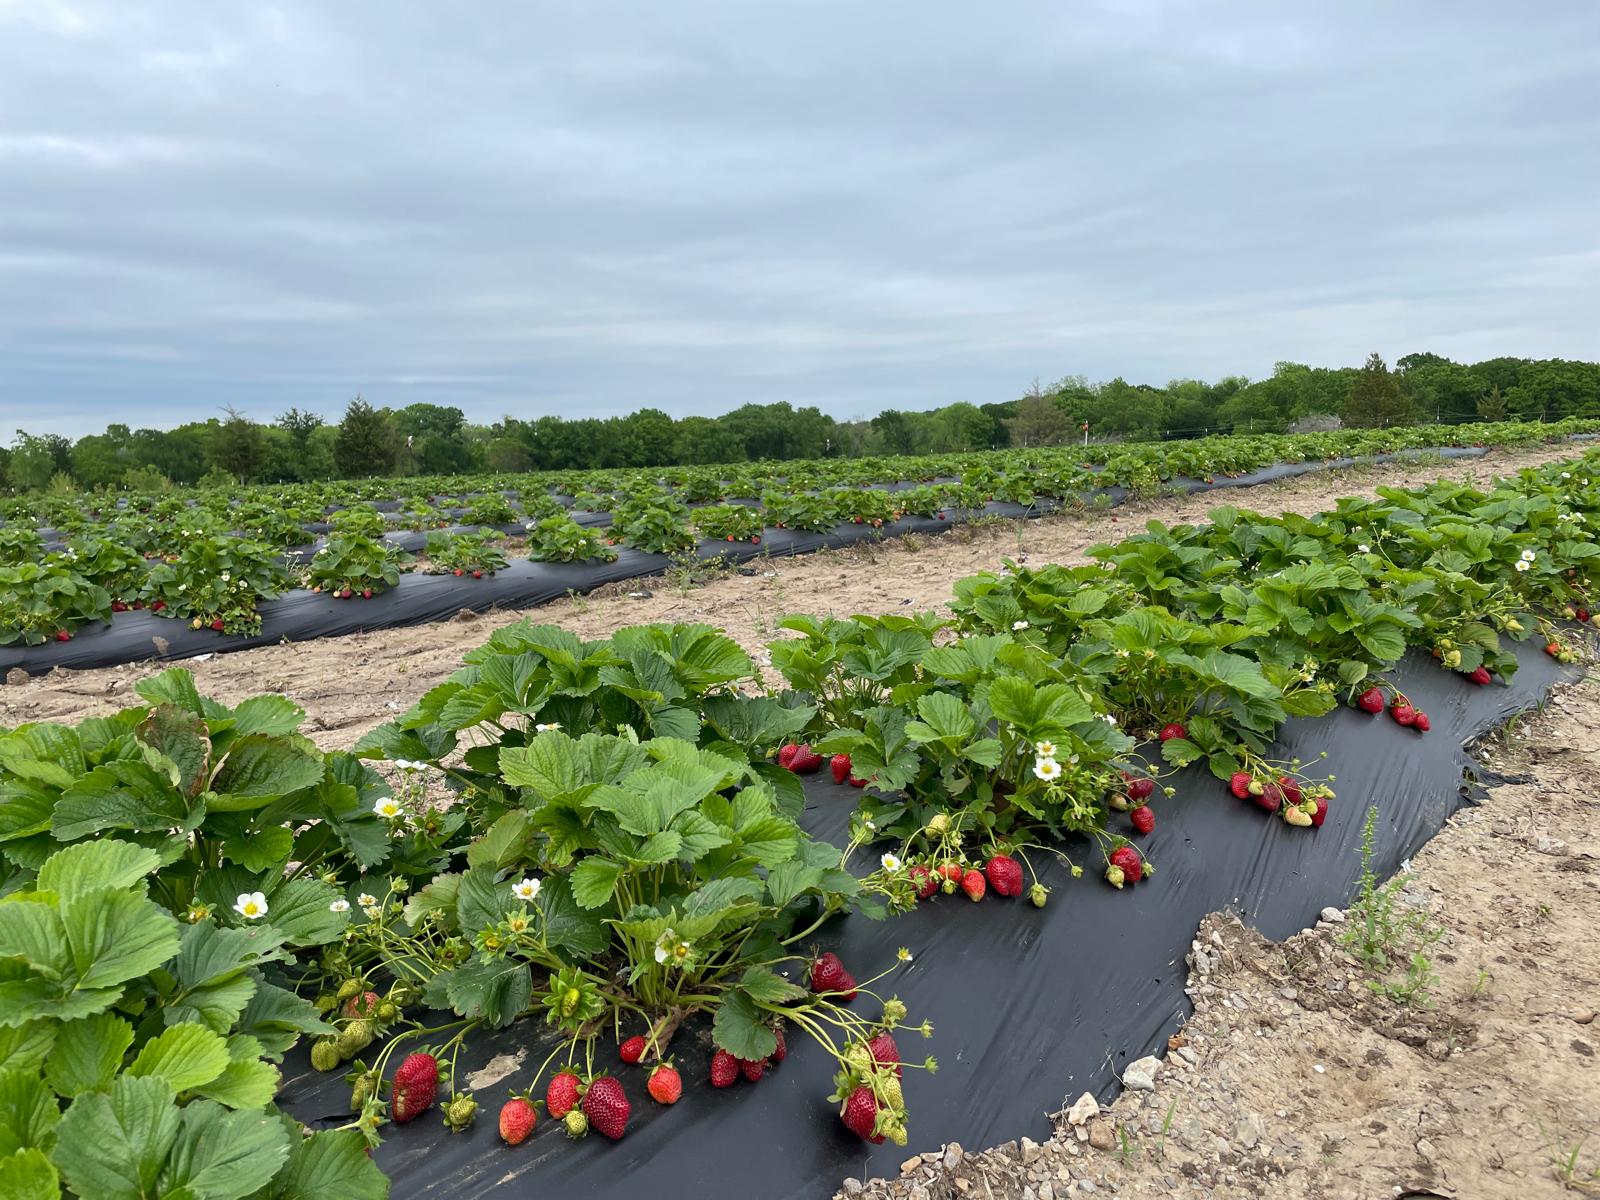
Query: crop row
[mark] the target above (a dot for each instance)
(189, 889)
(210, 558)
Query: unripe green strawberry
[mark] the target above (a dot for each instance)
(350, 987)
(388, 1011)
(1037, 894)
(1114, 876)
(459, 1113)
(357, 1036)
(577, 1124)
(894, 1010)
(325, 1054)
(889, 1088)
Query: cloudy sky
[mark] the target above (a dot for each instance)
(588, 207)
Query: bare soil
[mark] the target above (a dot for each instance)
(1295, 1079)
(348, 685)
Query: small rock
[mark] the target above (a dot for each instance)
(953, 1156)
(1248, 1131)
(1102, 1134)
(1333, 916)
(1551, 846)
(852, 1187)
(1083, 1108)
(16, 677)
(1140, 1075)
(640, 595)
(911, 1164)
(1030, 1150)
(1425, 1148)
(1188, 1055)
(917, 1192)
(1289, 993)
(1087, 1185)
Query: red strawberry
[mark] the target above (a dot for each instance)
(839, 764)
(217, 624)
(118, 606)
(953, 872)
(158, 605)
(786, 755)
(475, 575)
(1271, 797)
(1174, 730)
(366, 593)
(665, 1085)
(860, 1113)
(782, 1052)
(753, 1068)
(1141, 787)
(607, 1107)
(1127, 858)
(724, 1069)
(1481, 676)
(561, 1096)
(632, 1050)
(1005, 875)
(974, 885)
(416, 1082)
(1552, 648)
(517, 1119)
(1321, 815)
(1239, 784)
(924, 880)
(458, 572)
(854, 782)
(1291, 790)
(885, 1053)
(1421, 723)
(828, 975)
(1371, 700)
(805, 761)
(1403, 713)
(1143, 818)
(63, 636)
(363, 1006)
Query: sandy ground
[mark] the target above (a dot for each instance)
(1293, 1079)
(350, 684)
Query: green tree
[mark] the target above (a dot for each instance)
(1492, 406)
(237, 444)
(367, 444)
(33, 462)
(1376, 400)
(1038, 420)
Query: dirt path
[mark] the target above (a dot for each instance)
(1293, 1080)
(350, 684)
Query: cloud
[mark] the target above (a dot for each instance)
(560, 208)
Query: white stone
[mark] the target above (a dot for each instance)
(1085, 1107)
(1141, 1074)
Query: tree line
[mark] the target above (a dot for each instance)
(432, 439)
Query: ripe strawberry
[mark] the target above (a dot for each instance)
(1239, 784)
(952, 871)
(1005, 875)
(924, 881)
(366, 593)
(1143, 818)
(517, 1119)
(974, 885)
(1481, 676)
(475, 575)
(1141, 787)
(1403, 714)
(632, 1050)
(1270, 797)
(1421, 724)
(885, 1053)
(1583, 615)
(118, 606)
(805, 761)
(665, 1085)
(854, 782)
(1127, 858)
(607, 1107)
(416, 1083)
(1174, 730)
(1552, 648)
(63, 636)
(217, 624)
(839, 764)
(1371, 700)
(828, 975)
(860, 1113)
(458, 572)
(561, 1096)
(1321, 815)
(724, 1069)
(363, 1006)
(786, 755)
(1290, 788)
(753, 1068)
(158, 605)
(782, 1052)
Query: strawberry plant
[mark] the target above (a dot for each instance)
(46, 601)
(729, 522)
(490, 508)
(561, 539)
(356, 565)
(655, 529)
(215, 582)
(803, 511)
(463, 554)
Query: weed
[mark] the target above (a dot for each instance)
(1380, 931)
(1565, 1166)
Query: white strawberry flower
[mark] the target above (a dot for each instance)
(1047, 769)
(388, 808)
(340, 905)
(526, 888)
(367, 900)
(1045, 749)
(1363, 548)
(891, 864)
(250, 905)
(373, 912)
(1527, 556)
(553, 725)
(1018, 626)
(1521, 564)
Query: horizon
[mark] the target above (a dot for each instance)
(564, 213)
